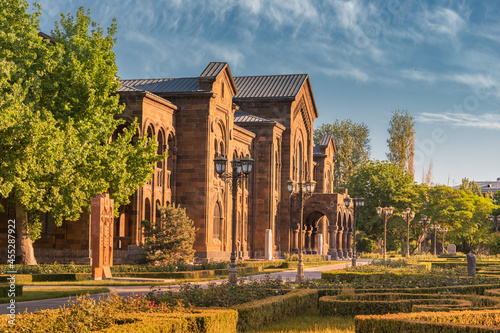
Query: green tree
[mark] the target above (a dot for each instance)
(464, 213)
(169, 240)
(382, 184)
(401, 140)
(57, 114)
(471, 186)
(353, 147)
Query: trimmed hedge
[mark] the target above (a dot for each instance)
(209, 321)
(201, 321)
(478, 289)
(254, 314)
(370, 304)
(187, 275)
(449, 322)
(348, 277)
(4, 290)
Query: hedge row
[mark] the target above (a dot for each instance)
(348, 277)
(478, 289)
(188, 274)
(253, 315)
(28, 278)
(4, 290)
(209, 321)
(200, 321)
(449, 322)
(371, 304)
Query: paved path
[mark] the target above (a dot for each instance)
(55, 303)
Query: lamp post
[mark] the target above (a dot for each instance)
(358, 204)
(443, 231)
(241, 168)
(408, 216)
(305, 189)
(495, 219)
(424, 221)
(385, 213)
(436, 228)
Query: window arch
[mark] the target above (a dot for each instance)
(217, 221)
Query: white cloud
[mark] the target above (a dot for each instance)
(483, 121)
(444, 21)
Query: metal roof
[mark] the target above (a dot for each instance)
(213, 69)
(189, 84)
(125, 87)
(242, 117)
(325, 140)
(271, 86)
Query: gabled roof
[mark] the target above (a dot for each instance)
(269, 86)
(213, 69)
(164, 85)
(319, 148)
(325, 140)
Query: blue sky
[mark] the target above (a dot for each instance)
(437, 59)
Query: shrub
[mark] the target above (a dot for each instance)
(169, 240)
(366, 245)
(253, 315)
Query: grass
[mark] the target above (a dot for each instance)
(311, 322)
(43, 293)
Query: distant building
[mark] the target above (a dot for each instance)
(486, 186)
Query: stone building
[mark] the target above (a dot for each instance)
(194, 119)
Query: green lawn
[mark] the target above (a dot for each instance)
(311, 322)
(44, 293)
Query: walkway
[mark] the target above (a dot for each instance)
(55, 303)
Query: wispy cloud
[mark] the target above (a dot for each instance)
(483, 121)
(444, 21)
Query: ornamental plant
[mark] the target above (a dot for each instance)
(169, 240)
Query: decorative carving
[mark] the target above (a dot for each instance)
(102, 221)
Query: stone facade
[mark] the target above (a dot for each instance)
(269, 118)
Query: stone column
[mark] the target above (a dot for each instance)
(339, 244)
(309, 239)
(344, 244)
(332, 249)
(295, 247)
(349, 243)
(314, 240)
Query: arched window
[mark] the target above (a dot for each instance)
(158, 211)
(147, 210)
(217, 222)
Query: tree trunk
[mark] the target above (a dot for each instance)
(24, 245)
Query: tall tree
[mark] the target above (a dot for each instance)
(57, 109)
(383, 184)
(353, 147)
(401, 140)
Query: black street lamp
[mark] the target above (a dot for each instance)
(385, 213)
(424, 221)
(358, 204)
(304, 190)
(241, 168)
(435, 227)
(408, 216)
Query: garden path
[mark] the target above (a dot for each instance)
(55, 303)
